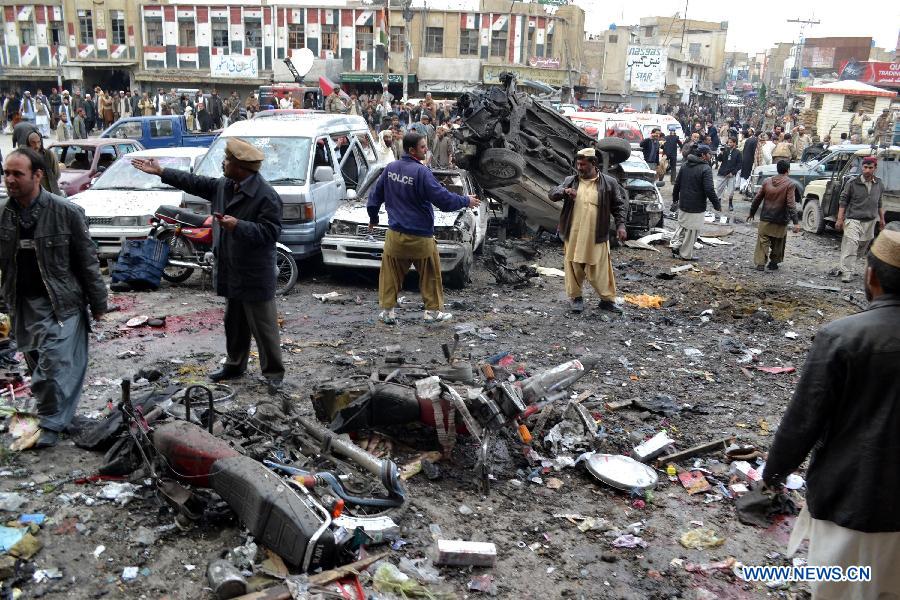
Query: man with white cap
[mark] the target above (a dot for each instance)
(844, 411)
(589, 199)
(247, 224)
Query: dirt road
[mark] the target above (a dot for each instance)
(690, 350)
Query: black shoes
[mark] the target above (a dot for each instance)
(576, 305)
(47, 439)
(273, 386)
(773, 266)
(760, 268)
(610, 306)
(225, 373)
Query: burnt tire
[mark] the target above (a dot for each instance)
(501, 166)
(619, 150)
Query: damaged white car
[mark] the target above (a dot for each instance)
(459, 234)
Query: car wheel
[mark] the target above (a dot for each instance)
(179, 249)
(502, 166)
(813, 219)
(461, 274)
(619, 150)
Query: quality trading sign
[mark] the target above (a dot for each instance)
(647, 65)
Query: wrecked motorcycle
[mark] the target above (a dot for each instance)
(312, 501)
(412, 394)
(190, 239)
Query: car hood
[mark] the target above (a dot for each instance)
(124, 203)
(355, 212)
(71, 175)
(796, 169)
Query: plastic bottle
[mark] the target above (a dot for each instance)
(671, 471)
(553, 380)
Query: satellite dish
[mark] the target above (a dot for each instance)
(303, 61)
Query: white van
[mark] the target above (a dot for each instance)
(632, 126)
(314, 161)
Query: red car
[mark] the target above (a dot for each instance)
(80, 161)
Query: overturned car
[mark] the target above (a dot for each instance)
(519, 147)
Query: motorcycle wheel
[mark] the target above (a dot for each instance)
(286, 272)
(180, 249)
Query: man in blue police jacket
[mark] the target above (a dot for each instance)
(408, 189)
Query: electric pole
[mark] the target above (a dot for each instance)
(799, 58)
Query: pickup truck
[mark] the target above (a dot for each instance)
(822, 167)
(161, 131)
(822, 197)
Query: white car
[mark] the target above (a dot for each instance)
(121, 202)
(458, 234)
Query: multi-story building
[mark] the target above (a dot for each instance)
(695, 49)
(241, 44)
(90, 41)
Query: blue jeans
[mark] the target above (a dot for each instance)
(58, 353)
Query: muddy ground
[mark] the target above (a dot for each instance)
(539, 555)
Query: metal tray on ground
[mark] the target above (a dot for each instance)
(621, 472)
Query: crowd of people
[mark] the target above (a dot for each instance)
(71, 115)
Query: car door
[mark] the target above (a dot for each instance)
(326, 195)
(162, 133)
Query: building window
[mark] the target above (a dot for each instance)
(26, 33)
(187, 33)
(613, 39)
(530, 47)
(469, 42)
(855, 103)
(648, 31)
(330, 37)
(365, 39)
(398, 39)
(694, 50)
(548, 45)
(296, 36)
(253, 33)
(816, 101)
(498, 43)
(219, 32)
(118, 27)
(153, 31)
(434, 40)
(85, 27)
(56, 29)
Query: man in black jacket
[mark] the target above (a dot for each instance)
(729, 169)
(247, 224)
(216, 108)
(844, 411)
(670, 149)
(650, 146)
(51, 275)
(693, 187)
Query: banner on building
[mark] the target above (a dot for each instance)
(647, 68)
(818, 58)
(235, 66)
(875, 73)
(543, 62)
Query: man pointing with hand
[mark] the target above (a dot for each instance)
(408, 189)
(246, 227)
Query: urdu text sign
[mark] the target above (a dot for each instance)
(647, 65)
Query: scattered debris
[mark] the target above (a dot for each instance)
(701, 538)
(775, 370)
(463, 553)
(645, 300)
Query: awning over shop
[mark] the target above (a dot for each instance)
(27, 74)
(101, 64)
(355, 77)
(189, 75)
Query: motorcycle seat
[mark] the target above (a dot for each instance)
(182, 215)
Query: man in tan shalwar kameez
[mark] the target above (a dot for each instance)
(589, 198)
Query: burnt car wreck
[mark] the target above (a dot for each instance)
(518, 148)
